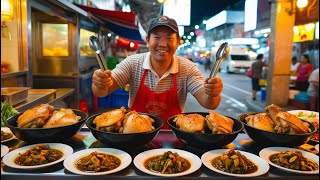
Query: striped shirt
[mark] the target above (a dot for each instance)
(130, 71)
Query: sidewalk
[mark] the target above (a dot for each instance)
(259, 105)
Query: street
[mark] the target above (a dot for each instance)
(237, 88)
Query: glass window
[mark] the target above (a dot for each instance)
(240, 57)
(55, 39)
(84, 42)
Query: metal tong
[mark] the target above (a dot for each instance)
(221, 55)
(96, 48)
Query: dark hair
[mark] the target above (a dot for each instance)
(260, 56)
(294, 58)
(307, 57)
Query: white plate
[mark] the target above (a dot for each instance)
(267, 152)
(263, 166)
(140, 159)
(4, 150)
(305, 114)
(317, 147)
(125, 158)
(7, 130)
(9, 158)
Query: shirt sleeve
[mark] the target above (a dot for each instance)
(121, 73)
(195, 79)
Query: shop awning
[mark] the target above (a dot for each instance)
(124, 24)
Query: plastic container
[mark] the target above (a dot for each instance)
(105, 101)
(263, 94)
(292, 93)
(302, 97)
(119, 98)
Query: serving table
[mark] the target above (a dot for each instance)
(165, 139)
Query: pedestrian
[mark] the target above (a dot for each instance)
(303, 72)
(294, 66)
(159, 80)
(313, 90)
(256, 68)
(207, 63)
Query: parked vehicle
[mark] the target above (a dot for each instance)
(236, 62)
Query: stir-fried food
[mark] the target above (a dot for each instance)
(37, 155)
(234, 162)
(98, 162)
(5, 135)
(293, 160)
(168, 163)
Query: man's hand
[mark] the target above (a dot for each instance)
(102, 79)
(213, 86)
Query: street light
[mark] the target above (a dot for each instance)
(299, 3)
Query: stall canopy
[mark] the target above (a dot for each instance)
(124, 24)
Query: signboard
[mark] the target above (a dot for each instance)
(179, 10)
(303, 32)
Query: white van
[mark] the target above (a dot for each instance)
(237, 61)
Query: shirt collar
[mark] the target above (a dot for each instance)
(172, 69)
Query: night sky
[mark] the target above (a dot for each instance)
(204, 9)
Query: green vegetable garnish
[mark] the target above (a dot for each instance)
(6, 111)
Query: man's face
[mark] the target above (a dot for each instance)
(163, 43)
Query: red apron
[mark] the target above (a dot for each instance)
(163, 104)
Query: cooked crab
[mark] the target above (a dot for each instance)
(219, 124)
(190, 122)
(63, 117)
(110, 121)
(35, 117)
(136, 123)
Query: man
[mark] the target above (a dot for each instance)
(256, 75)
(159, 81)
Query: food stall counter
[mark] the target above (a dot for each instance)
(165, 139)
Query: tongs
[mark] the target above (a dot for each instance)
(96, 48)
(221, 55)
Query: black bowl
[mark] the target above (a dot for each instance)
(266, 138)
(39, 135)
(125, 140)
(206, 140)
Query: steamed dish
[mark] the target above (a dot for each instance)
(219, 124)
(293, 160)
(35, 117)
(62, 117)
(119, 121)
(214, 122)
(44, 116)
(274, 120)
(190, 122)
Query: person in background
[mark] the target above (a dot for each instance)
(207, 63)
(159, 80)
(313, 90)
(256, 67)
(294, 66)
(303, 72)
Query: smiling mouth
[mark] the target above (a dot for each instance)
(162, 51)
